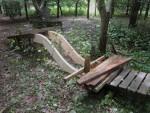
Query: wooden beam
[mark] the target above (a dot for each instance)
(93, 64)
(107, 66)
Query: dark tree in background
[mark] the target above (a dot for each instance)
(128, 7)
(76, 7)
(41, 8)
(88, 9)
(135, 6)
(26, 9)
(147, 9)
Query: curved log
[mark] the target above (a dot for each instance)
(41, 39)
(68, 49)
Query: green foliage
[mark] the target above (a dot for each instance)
(11, 8)
(132, 42)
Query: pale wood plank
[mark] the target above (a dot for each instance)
(81, 70)
(41, 39)
(137, 81)
(107, 66)
(65, 45)
(120, 77)
(145, 86)
(128, 79)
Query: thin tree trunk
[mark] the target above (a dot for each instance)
(112, 8)
(95, 8)
(76, 8)
(41, 8)
(88, 9)
(26, 9)
(141, 8)
(105, 16)
(60, 10)
(128, 5)
(147, 10)
(58, 4)
(134, 13)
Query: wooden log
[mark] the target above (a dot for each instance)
(107, 66)
(93, 64)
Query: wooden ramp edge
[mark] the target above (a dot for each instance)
(41, 39)
(68, 49)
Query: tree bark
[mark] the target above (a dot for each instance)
(134, 13)
(88, 9)
(128, 5)
(105, 17)
(112, 8)
(41, 8)
(141, 8)
(58, 4)
(76, 8)
(26, 9)
(147, 10)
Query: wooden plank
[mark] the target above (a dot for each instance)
(128, 79)
(97, 80)
(41, 39)
(107, 66)
(68, 49)
(107, 80)
(137, 81)
(120, 77)
(93, 64)
(145, 86)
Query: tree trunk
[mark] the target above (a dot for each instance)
(76, 8)
(147, 10)
(95, 8)
(58, 4)
(128, 5)
(112, 8)
(88, 9)
(134, 13)
(141, 8)
(60, 10)
(26, 9)
(105, 16)
(41, 8)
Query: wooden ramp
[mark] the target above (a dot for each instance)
(133, 81)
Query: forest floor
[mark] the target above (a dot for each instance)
(33, 83)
